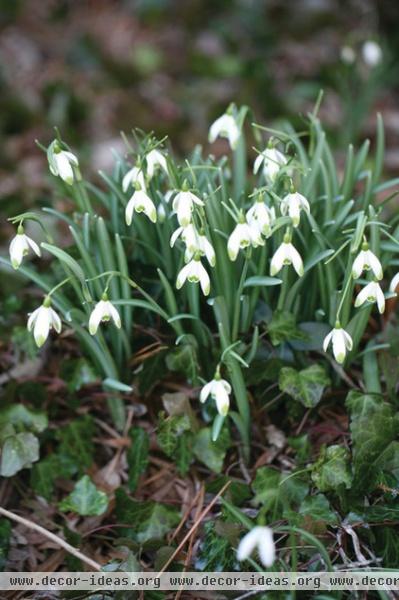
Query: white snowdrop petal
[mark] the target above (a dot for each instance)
(205, 391)
(348, 340)
(247, 544)
(182, 276)
(64, 167)
(327, 340)
(96, 317)
(296, 260)
(129, 211)
(222, 399)
(277, 261)
(339, 347)
(375, 264)
(358, 265)
(32, 318)
(42, 325)
(114, 315)
(266, 547)
(55, 320)
(34, 246)
(394, 283)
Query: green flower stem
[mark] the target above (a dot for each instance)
(240, 167)
(283, 289)
(237, 305)
(240, 392)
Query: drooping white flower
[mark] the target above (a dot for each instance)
(261, 217)
(188, 234)
(373, 293)
(196, 242)
(341, 342)
(155, 159)
(219, 389)
(225, 126)
(42, 320)
(183, 205)
(61, 162)
(348, 55)
(260, 538)
(286, 254)
(292, 204)
(140, 202)
(394, 283)
(272, 161)
(194, 272)
(19, 247)
(243, 236)
(365, 261)
(133, 176)
(372, 53)
(103, 311)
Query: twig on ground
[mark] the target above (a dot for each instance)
(51, 536)
(195, 526)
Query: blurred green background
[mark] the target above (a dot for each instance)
(96, 67)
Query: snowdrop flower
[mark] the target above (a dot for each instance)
(225, 126)
(135, 175)
(61, 162)
(219, 389)
(341, 342)
(261, 538)
(243, 236)
(183, 205)
(205, 248)
(261, 217)
(365, 261)
(348, 55)
(194, 272)
(373, 293)
(42, 320)
(188, 234)
(140, 202)
(19, 247)
(272, 161)
(286, 254)
(292, 204)
(103, 311)
(372, 53)
(155, 159)
(394, 283)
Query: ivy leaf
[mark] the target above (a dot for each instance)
(215, 551)
(183, 359)
(332, 469)
(76, 373)
(305, 386)
(46, 471)
(318, 509)
(169, 430)
(274, 489)
(85, 500)
(77, 441)
(148, 520)
(210, 453)
(283, 328)
(374, 427)
(19, 451)
(22, 417)
(137, 455)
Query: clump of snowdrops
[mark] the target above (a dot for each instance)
(216, 252)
